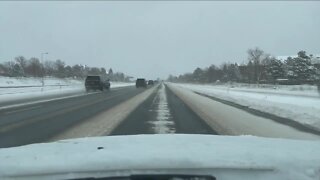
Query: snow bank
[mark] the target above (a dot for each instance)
(300, 90)
(121, 84)
(31, 81)
(11, 82)
(229, 120)
(12, 89)
(300, 106)
(225, 157)
(10, 86)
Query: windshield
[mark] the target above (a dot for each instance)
(202, 68)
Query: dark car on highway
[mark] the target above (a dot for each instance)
(141, 83)
(96, 83)
(151, 82)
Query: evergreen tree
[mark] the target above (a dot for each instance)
(275, 69)
(300, 68)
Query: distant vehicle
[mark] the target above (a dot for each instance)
(150, 82)
(96, 83)
(141, 83)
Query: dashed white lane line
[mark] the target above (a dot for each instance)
(51, 99)
(39, 101)
(24, 109)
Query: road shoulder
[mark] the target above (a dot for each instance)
(228, 120)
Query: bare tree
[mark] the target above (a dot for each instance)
(256, 56)
(9, 66)
(49, 68)
(94, 71)
(22, 61)
(78, 71)
(103, 71)
(34, 67)
(59, 68)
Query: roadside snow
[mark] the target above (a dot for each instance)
(30, 81)
(121, 84)
(28, 86)
(300, 106)
(298, 90)
(225, 157)
(12, 89)
(229, 120)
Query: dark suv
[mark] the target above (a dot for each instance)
(96, 83)
(141, 83)
(151, 82)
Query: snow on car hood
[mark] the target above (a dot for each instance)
(225, 157)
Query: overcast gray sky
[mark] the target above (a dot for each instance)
(155, 39)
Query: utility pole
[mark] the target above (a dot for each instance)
(42, 79)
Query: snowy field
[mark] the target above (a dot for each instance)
(299, 103)
(21, 88)
(26, 82)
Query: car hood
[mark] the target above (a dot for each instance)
(225, 157)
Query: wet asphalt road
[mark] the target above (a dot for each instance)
(39, 122)
(162, 112)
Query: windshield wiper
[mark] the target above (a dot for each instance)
(155, 177)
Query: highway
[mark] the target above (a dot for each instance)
(38, 122)
(44, 121)
(163, 112)
(129, 110)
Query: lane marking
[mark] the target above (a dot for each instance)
(9, 127)
(37, 102)
(24, 109)
(105, 122)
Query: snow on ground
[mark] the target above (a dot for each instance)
(290, 102)
(21, 88)
(229, 120)
(16, 86)
(301, 90)
(163, 124)
(225, 157)
(31, 81)
(121, 84)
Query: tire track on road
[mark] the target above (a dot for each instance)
(41, 128)
(163, 112)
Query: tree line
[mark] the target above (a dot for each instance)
(260, 68)
(22, 67)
